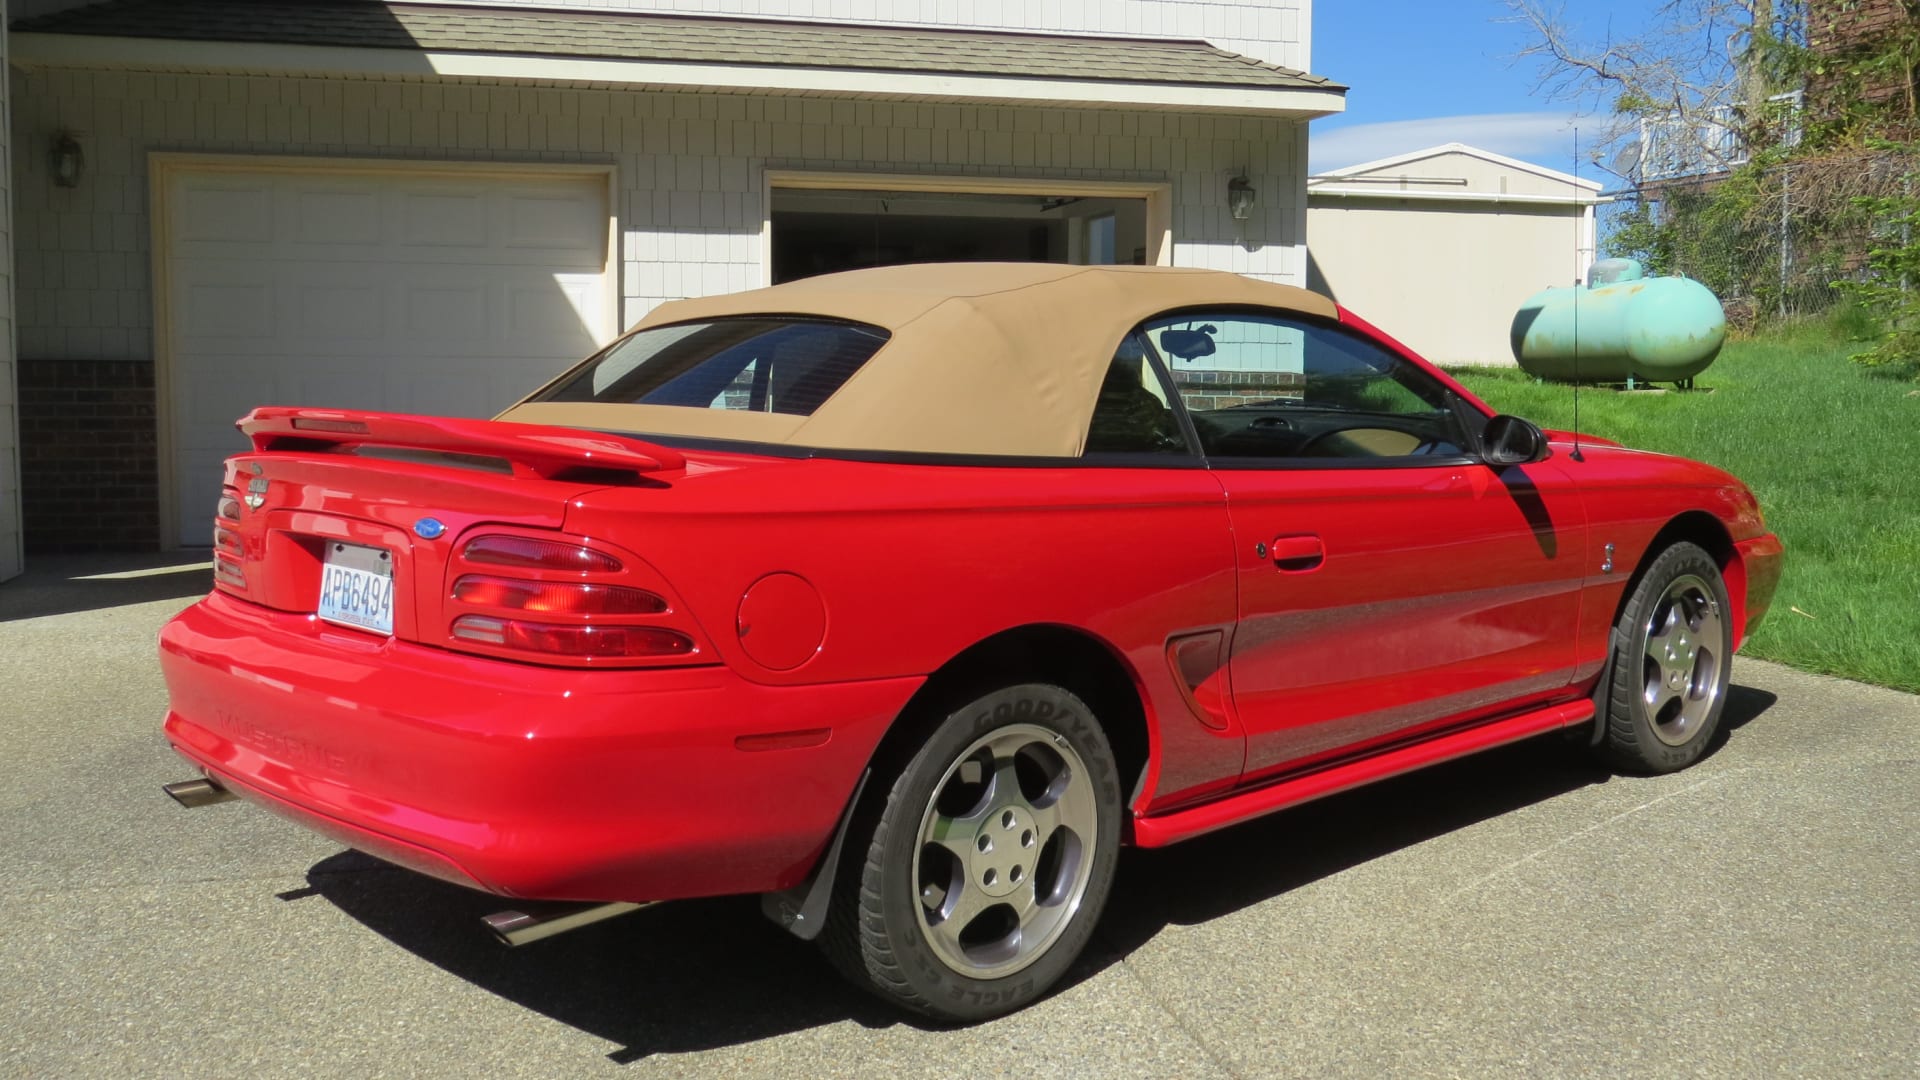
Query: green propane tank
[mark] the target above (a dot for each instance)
(1621, 325)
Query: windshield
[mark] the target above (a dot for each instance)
(774, 364)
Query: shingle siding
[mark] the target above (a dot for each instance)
(690, 172)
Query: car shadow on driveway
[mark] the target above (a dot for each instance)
(64, 584)
(703, 974)
(1223, 872)
(686, 976)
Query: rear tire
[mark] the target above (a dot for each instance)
(977, 882)
(1668, 683)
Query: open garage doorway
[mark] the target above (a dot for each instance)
(822, 223)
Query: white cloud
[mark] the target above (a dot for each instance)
(1544, 138)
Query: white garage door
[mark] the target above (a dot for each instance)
(404, 289)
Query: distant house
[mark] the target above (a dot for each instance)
(1439, 247)
(432, 206)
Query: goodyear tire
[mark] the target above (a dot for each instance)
(1668, 684)
(979, 879)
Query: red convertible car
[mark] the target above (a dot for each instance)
(906, 597)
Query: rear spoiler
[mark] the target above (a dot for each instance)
(544, 450)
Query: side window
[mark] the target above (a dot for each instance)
(1132, 414)
(1274, 386)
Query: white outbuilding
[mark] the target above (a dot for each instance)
(1438, 247)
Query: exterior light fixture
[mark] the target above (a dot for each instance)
(1239, 198)
(66, 160)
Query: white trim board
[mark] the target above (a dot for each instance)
(1386, 194)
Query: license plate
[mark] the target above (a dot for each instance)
(356, 587)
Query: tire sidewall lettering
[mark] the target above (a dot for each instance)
(1036, 704)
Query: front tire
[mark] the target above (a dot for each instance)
(987, 867)
(1668, 684)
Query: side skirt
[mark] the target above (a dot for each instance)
(1163, 829)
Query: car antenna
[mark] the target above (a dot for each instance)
(1578, 288)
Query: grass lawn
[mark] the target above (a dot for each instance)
(1832, 451)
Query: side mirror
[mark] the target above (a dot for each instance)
(1509, 440)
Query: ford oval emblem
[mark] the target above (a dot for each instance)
(428, 528)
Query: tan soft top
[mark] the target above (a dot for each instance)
(985, 358)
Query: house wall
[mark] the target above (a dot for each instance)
(690, 201)
(1276, 31)
(1445, 279)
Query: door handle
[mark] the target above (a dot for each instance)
(1294, 554)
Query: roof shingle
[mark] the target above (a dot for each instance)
(678, 39)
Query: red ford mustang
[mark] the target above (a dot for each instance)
(905, 597)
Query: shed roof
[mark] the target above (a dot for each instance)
(985, 358)
(1453, 172)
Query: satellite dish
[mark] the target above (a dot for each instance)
(1626, 162)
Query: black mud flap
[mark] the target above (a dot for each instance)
(803, 908)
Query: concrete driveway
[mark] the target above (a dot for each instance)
(1520, 914)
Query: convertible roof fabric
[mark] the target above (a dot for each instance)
(985, 358)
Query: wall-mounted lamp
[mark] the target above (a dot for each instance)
(1239, 198)
(66, 160)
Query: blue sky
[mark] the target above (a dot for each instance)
(1425, 72)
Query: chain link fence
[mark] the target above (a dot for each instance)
(1771, 242)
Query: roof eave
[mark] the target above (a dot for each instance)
(1488, 156)
(1582, 197)
(219, 57)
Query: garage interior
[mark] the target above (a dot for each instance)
(821, 231)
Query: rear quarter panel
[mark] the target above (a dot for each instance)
(917, 562)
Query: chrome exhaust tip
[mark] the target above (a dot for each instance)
(522, 928)
(202, 792)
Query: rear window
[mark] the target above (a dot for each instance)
(776, 364)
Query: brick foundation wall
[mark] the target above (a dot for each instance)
(1843, 30)
(1224, 389)
(88, 461)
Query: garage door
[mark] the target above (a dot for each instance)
(407, 289)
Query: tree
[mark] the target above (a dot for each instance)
(1694, 87)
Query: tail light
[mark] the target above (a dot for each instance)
(564, 600)
(528, 553)
(564, 597)
(562, 640)
(228, 550)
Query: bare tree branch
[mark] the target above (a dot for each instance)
(1691, 86)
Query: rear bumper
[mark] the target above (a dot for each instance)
(521, 780)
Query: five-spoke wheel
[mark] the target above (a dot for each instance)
(1003, 850)
(1668, 686)
(989, 861)
(1683, 682)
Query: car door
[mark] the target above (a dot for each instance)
(1390, 583)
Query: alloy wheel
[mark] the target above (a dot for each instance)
(1004, 852)
(1685, 634)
